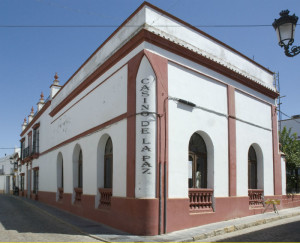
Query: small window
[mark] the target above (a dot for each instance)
(36, 138)
(197, 162)
(35, 181)
(252, 168)
(62, 173)
(108, 164)
(22, 182)
(80, 169)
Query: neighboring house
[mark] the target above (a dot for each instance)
(8, 167)
(162, 128)
(293, 123)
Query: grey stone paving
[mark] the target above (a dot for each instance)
(23, 222)
(46, 223)
(286, 230)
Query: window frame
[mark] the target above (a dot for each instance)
(252, 173)
(195, 156)
(108, 157)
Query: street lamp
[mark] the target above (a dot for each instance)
(285, 29)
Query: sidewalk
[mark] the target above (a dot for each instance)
(107, 234)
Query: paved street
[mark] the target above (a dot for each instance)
(22, 222)
(22, 219)
(286, 230)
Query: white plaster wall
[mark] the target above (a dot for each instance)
(48, 162)
(247, 135)
(184, 121)
(97, 105)
(251, 110)
(206, 71)
(202, 91)
(253, 126)
(106, 102)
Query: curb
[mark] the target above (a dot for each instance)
(237, 227)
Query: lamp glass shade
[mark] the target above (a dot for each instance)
(285, 33)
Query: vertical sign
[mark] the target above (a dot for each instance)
(145, 131)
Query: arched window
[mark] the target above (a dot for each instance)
(252, 169)
(108, 164)
(197, 162)
(62, 173)
(80, 169)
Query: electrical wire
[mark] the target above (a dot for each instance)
(130, 26)
(289, 117)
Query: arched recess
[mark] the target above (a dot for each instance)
(201, 153)
(255, 167)
(77, 173)
(104, 171)
(60, 176)
(201, 172)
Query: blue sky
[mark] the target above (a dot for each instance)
(29, 57)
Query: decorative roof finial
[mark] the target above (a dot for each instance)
(32, 110)
(56, 81)
(42, 96)
(25, 120)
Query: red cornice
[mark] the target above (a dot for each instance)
(145, 35)
(195, 57)
(36, 117)
(203, 33)
(166, 14)
(129, 46)
(111, 36)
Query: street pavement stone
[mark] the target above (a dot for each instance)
(39, 222)
(23, 222)
(285, 230)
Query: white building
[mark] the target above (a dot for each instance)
(8, 167)
(162, 128)
(293, 124)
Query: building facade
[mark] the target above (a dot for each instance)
(162, 128)
(293, 123)
(8, 169)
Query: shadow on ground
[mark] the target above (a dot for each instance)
(24, 215)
